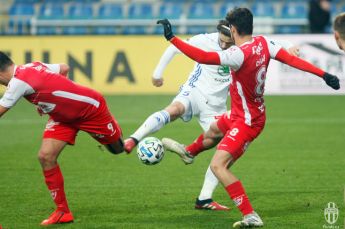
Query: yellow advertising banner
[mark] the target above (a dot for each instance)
(109, 64)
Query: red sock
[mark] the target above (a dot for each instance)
(55, 183)
(196, 147)
(240, 198)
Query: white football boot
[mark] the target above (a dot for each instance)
(179, 149)
(250, 220)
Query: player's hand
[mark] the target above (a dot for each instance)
(294, 50)
(157, 82)
(331, 81)
(167, 29)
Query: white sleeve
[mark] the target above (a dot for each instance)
(273, 47)
(167, 56)
(284, 43)
(15, 90)
(53, 67)
(232, 57)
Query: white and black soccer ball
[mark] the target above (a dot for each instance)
(150, 150)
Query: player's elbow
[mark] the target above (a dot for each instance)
(64, 69)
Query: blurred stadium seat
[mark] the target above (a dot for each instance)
(140, 11)
(201, 11)
(170, 10)
(294, 10)
(51, 11)
(21, 12)
(261, 9)
(80, 11)
(22, 9)
(110, 11)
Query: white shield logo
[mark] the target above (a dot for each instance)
(331, 213)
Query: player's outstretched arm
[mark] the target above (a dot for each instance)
(296, 62)
(168, 55)
(192, 52)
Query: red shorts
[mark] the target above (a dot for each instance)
(102, 127)
(237, 135)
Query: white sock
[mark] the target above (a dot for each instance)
(210, 184)
(152, 124)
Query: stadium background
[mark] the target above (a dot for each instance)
(113, 46)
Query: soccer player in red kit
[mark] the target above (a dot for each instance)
(71, 107)
(249, 60)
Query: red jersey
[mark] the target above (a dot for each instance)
(247, 87)
(54, 94)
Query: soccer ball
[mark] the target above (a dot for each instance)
(150, 150)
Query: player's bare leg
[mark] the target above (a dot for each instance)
(154, 123)
(220, 163)
(48, 154)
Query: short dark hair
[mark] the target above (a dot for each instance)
(339, 25)
(242, 19)
(224, 27)
(5, 61)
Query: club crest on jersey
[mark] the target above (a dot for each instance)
(223, 70)
(257, 49)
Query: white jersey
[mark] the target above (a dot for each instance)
(212, 81)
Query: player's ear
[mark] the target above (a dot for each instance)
(336, 35)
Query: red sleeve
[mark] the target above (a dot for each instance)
(196, 54)
(296, 62)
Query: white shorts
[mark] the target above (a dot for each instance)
(196, 105)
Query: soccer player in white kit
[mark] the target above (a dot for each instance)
(203, 95)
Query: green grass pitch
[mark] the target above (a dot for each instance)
(294, 168)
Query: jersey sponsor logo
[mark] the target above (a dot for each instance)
(261, 60)
(222, 80)
(223, 70)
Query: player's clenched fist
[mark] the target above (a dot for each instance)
(167, 28)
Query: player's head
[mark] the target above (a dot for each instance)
(339, 30)
(5, 62)
(224, 40)
(241, 21)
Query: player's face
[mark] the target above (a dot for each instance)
(224, 41)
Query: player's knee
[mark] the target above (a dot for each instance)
(215, 167)
(45, 157)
